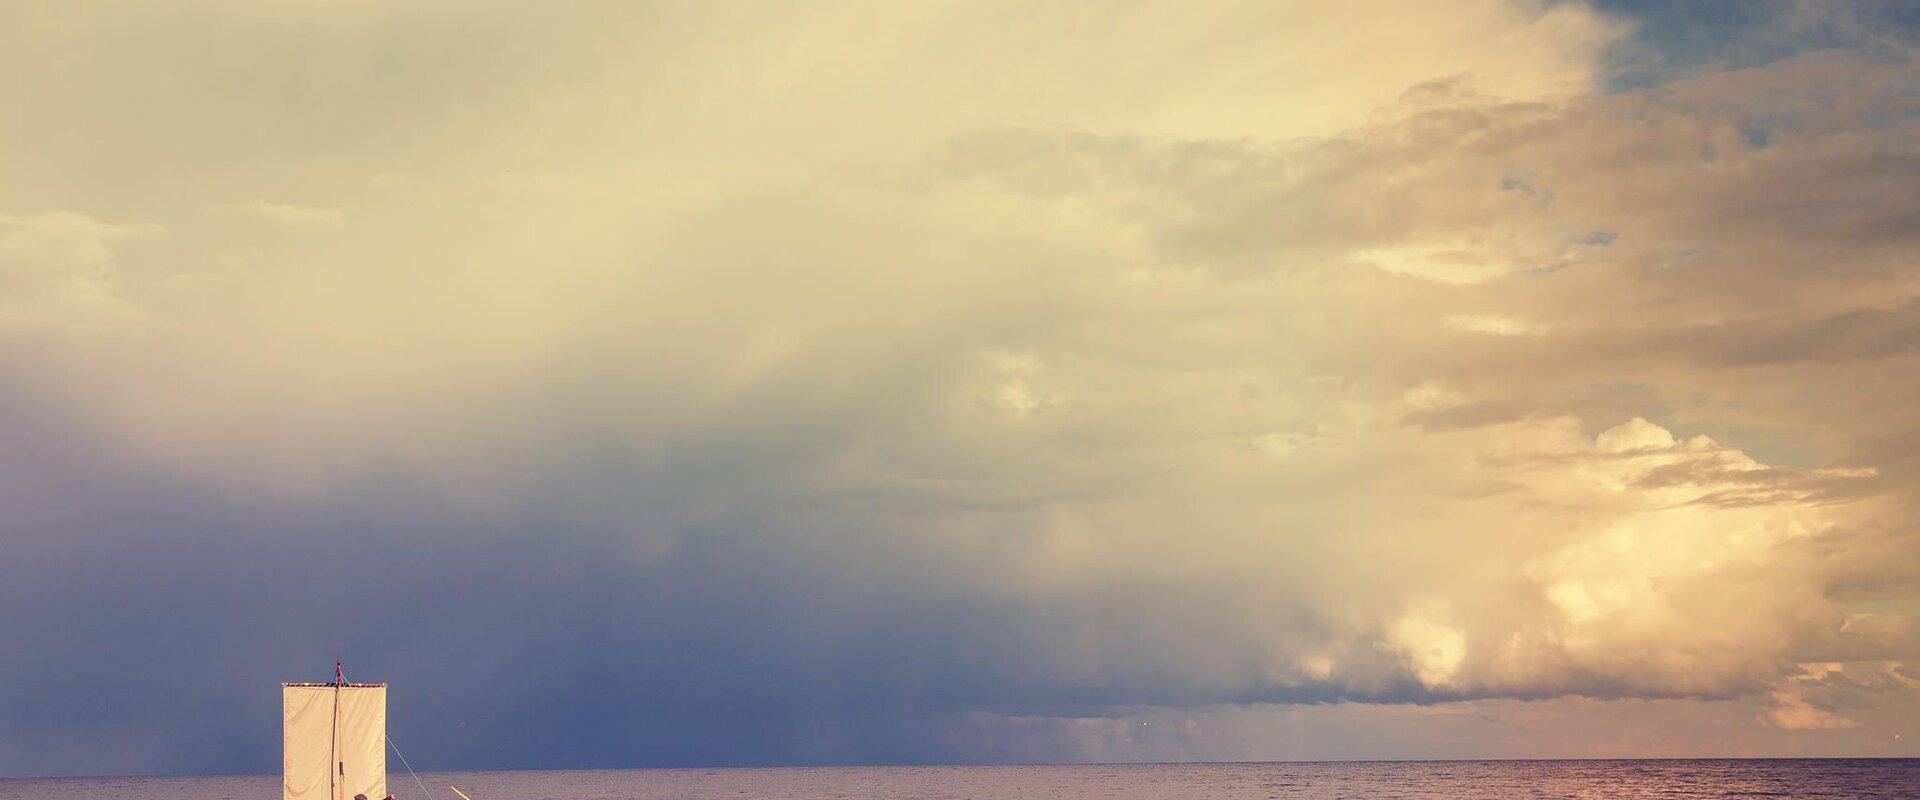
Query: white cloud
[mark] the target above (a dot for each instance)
(1794, 713)
(1496, 326)
(1433, 650)
(58, 274)
(284, 214)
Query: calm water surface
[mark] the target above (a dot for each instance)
(1454, 780)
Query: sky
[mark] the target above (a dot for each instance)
(639, 384)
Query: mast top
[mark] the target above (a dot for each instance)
(331, 684)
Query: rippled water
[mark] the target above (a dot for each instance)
(1821, 778)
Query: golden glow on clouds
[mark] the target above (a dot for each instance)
(1414, 364)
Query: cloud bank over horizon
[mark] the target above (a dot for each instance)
(655, 385)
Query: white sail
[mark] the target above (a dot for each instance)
(335, 741)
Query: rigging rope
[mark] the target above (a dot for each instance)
(416, 775)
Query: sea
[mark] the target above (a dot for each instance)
(1450, 780)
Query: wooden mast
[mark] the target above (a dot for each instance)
(339, 770)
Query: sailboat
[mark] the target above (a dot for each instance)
(334, 739)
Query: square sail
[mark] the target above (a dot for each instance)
(334, 743)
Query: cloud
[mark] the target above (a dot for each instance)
(1815, 698)
(890, 385)
(58, 275)
(291, 216)
(1796, 714)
